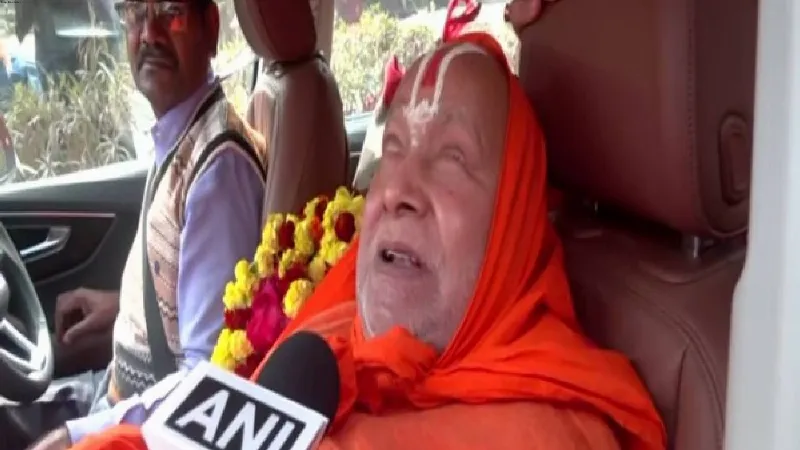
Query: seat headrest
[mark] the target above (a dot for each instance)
(647, 105)
(278, 30)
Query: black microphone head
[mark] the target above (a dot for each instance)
(304, 369)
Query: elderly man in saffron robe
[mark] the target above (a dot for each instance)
(451, 316)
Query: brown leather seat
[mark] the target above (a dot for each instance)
(259, 111)
(297, 106)
(647, 106)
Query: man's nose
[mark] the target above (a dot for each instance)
(150, 32)
(403, 192)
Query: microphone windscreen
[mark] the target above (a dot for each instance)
(303, 368)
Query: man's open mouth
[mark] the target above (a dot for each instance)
(400, 257)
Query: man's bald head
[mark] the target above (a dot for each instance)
(429, 208)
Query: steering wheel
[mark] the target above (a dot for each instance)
(25, 371)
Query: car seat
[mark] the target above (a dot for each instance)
(297, 106)
(647, 107)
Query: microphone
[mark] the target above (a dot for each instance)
(289, 408)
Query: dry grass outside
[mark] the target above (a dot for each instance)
(89, 119)
(86, 120)
(83, 121)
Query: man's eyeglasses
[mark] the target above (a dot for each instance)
(170, 15)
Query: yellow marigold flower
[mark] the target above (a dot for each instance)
(239, 346)
(292, 218)
(233, 347)
(317, 268)
(332, 249)
(333, 209)
(269, 236)
(290, 258)
(221, 355)
(275, 220)
(342, 202)
(342, 195)
(303, 242)
(264, 261)
(241, 286)
(245, 281)
(242, 272)
(311, 207)
(297, 294)
(234, 297)
(335, 253)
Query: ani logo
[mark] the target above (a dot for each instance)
(215, 416)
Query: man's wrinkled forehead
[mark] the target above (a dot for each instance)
(422, 92)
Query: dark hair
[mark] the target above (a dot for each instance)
(201, 6)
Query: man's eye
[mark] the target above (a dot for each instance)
(391, 145)
(171, 11)
(453, 153)
(391, 151)
(135, 11)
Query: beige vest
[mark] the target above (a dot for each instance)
(214, 122)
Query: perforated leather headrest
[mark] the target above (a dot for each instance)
(648, 105)
(278, 30)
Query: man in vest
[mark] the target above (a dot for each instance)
(204, 193)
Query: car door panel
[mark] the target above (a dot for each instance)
(75, 230)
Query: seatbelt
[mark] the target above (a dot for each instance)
(162, 361)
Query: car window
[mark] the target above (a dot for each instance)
(367, 32)
(66, 90)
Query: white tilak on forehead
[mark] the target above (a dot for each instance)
(419, 113)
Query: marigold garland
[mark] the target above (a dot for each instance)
(294, 255)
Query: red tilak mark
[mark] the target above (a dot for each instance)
(391, 80)
(432, 70)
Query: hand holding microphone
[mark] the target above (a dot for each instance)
(289, 408)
